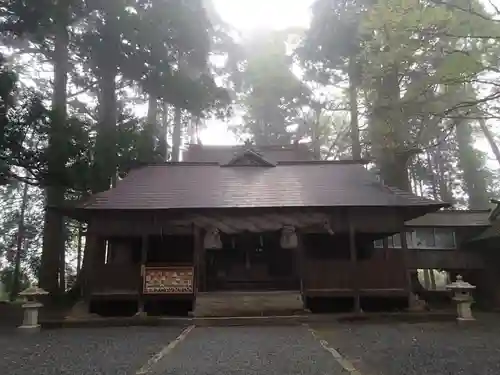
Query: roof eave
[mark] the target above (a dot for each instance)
(416, 211)
(73, 212)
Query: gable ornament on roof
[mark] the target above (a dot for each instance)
(249, 156)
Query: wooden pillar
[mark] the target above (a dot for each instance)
(96, 248)
(354, 262)
(199, 260)
(300, 266)
(385, 245)
(90, 243)
(406, 255)
(144, 255)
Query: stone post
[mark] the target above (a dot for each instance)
(31, 308)
(462, 296)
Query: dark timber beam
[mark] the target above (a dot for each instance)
(199, 259)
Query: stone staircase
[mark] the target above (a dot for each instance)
(224, 304)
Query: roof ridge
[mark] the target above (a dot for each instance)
(181, 163)
(327, 162)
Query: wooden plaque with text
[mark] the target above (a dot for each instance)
(168, 280)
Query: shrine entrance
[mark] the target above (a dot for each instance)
(250, 262)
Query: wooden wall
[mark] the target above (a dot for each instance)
(117, 262)
(330, 270)
(445, 259)
(374, 277)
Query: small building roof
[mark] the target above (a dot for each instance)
(288, 184)
(493, 231)
(452, 218)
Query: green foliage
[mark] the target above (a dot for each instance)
(333, 38)
(414, 62)
(6, 277)
(7, 87)
(161, 45)
(273, 97)
(11, 198)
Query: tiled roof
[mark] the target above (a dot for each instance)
(307, 184)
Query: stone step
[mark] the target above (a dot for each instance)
(223, 304)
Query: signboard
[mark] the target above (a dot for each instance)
(168, 280)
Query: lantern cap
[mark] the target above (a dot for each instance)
(33, 290)
(460, 284)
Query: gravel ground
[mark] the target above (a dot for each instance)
(98, 351)
(374, 349)
(418, 349)
(248, 351)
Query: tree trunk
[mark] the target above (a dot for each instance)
(164, 148)
(414, 182)
(432, 176)
(316, 134)
(427, 280)
(439, 161)
(176, 136)
(394, 171)
(490, 139)
(105, 158)
(105, 155)
(471, 166)
(432, 276)
(62, 266)
(54, 222)
(4, 109)
(421, 187)
(388, 131)
(79, 249)
(16, 276)
(353, 104)
(194, 137)
(105, 149)
(151, 124)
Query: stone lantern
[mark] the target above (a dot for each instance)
(31, 308)
(462, 296)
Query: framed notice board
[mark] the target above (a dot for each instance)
(168, 280)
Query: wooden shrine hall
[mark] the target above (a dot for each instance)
(246, 220)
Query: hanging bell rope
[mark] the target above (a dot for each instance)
(212, 239)
(289, 238)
